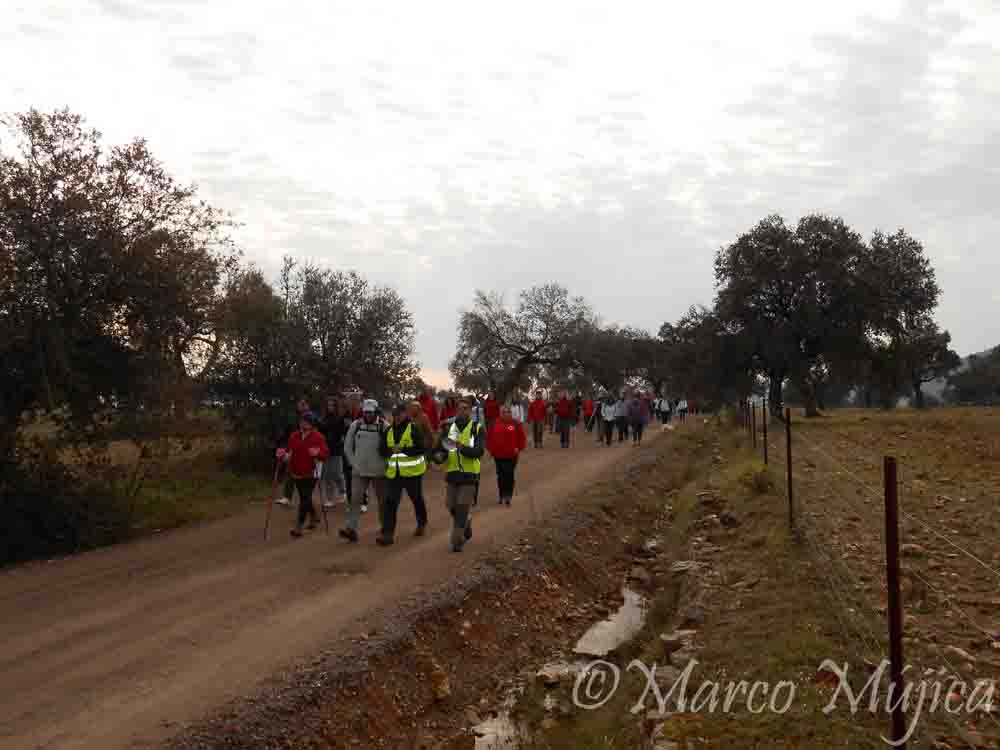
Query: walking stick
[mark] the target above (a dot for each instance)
(270, 500)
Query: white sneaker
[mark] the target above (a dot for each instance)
(283, 501)
(364, 507)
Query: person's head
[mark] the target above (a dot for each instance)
(308, 421)
(369, 411)
(429, 391)
(464, 408)
(414, 410)
(538, 394)
(302, 406)
(505, 414)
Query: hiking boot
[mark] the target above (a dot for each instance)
(468, 532)
(296, 532)
(421, 530)
(456, 548)
(381, 541)
(349, 534)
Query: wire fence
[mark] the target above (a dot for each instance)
(840, 519)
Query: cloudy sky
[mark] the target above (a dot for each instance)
(440, 147)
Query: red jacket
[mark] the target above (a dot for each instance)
(492, 408)
(301, 464)
(506, 439)
(566, 409)
(448, 412)
(536, 410)
(430, 408)
(588, 407)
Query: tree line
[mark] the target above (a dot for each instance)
(812, 309)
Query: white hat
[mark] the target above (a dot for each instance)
(369, 405)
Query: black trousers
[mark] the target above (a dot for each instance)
(414, 487)
(306, 508)
(505, 475)
(609, 430)
(637, 432)
(622, 423)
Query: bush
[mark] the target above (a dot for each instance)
(51, 509)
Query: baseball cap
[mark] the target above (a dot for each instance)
(370, 405)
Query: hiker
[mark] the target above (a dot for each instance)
(491, 409)
(417, 415)
(460, 449)
(588, 413)
(403, 448)
(306, 450)
(550, 413)
(608, 418)
(566, 411)
(334, 426)
(505, 441)
(682, 409)
(598, 419)
(301, 407)
(518, 409)
(430, 407)
(638, 417)
(621, 417)
(536, 415)
(362, 447)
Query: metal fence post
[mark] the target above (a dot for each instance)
(895, 610)
(788, 448)
(753, 425)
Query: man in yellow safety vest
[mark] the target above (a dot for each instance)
(404, 452)
(460, 450)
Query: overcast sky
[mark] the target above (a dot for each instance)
(611, 147)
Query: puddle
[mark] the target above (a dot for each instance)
(607, 635)
(502, 732)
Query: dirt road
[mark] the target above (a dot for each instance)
(113, 648)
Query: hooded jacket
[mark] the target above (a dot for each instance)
(506, 439)
(362, 448)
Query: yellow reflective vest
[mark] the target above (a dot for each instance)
(456, 461)
(406, 466)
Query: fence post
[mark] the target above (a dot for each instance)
(788, 448)
(763, 419)
(753, 425)
(895, 610)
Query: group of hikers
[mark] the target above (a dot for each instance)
(353, 450)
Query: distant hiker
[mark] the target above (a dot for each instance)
(518, 409)
(334, 427)
(491, 409)
(682, 409)
(460, 449)
(291, 425)
(362, 447)
(551, 418)
(403, 448)
(588, 413)
(608, 418)
(566, 411)
(638, 418)
(306, 448)
(430, 406)
(536, 415)
(505, 441)
(621, 417)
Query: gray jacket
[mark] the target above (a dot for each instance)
(361, 448)
(621, 408)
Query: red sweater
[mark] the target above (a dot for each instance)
(430, 408)
(506, 439)
(301, 464)
(492, 408)
(588, 407)
(566, 409)
(536, 410)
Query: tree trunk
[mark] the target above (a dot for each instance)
(774, 398)
(808, 390)
(918, 395)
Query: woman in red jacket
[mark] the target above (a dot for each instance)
(505, 441)
(536, 415)
(307, 450)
